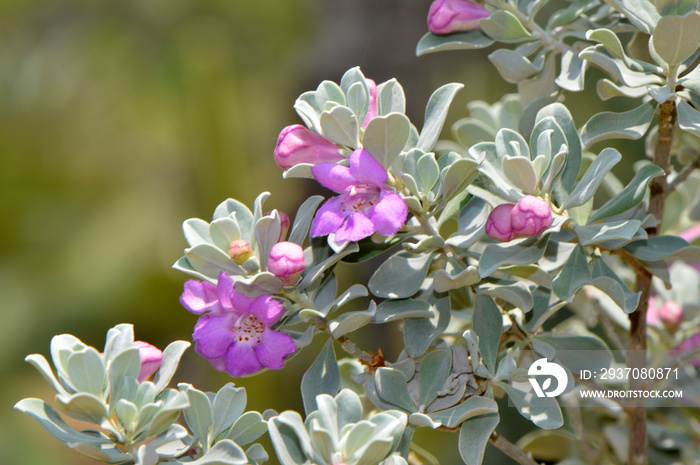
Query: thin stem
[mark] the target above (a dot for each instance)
(548, 39)
(430, 230)
(683, 175)
(347, 345)
(511, 450)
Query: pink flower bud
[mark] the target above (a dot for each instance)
(284, 224)
(296, 144)
(286, 261)
(498, 223)
(447, 16)
(530, 216)
(372, 110)
(671, 314)
(240, 251)
(151, 358)
(653, 313)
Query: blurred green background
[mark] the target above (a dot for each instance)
(119, 119)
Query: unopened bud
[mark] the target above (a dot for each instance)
(498, 223)
(530, 216)
(671, 314)
(151, 358)
(240, 251)
(448, 16)
(286, 261)
(297, 144)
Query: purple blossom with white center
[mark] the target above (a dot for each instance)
(234, 331)
(366, 205)
(530, 216)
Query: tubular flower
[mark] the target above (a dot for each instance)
(234, 334)
(530, 216)
(365, 205)
(286, 261)
(297, 144)
(447, 16)
(498, 223)
(151, 358)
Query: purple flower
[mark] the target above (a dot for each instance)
(286, 261)
(530, 216)
(235, 334)
(365, 205)
(296, 144)
(689, 344)
(498, 223)
(372, 110)
(151, 358)
(447, 16)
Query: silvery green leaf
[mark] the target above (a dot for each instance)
(422, 420)
(267, 233)
(661, 94)
(247, 428)
(688, 118)
(453, 187)
(470, 225)
(444, 281)
(257, 454)
(223, 231)
(566, 180)
(573, 72)
(418, 333)
(322, 377)
(352, 321)
(514, 67)
(325, 294)
(613, 45)
(392, 388)
(468, 40)
(319, 270)
(86, 371)
(259, 284)
(328, 91)
(558, 162)
(435, 114)
(605, 279)
(641, 13)
(390, 98)
(675, 7)
(386, 136)
(184, 265)
(676, 38)
(592, 178)
(198, 415)
(303, 218)
(392, 310)
(515, 293)
(509, 142)
(196, 231)
(519, 252)
(532, 273)
(62, 347)
(42, 365)
(224, 452)
(340, 125)
(54, 424)
(210, 261)
(353, 292)
(631, 124)
(607, 89)
(630, 196)
(663, 247)
(173, 404)
(83, 406)
(102, 453)
(235, 209)
(574, 275)
(618, 69)
(126, 364)
(487, 323)
(127, 413)
(473, 437)
(472, 407)
(544, 412)
(470, 131)
(569, 348)
(145, 394)
(428, 243)
(171, 359)
(146, 455)
(394, 460)
(428, 172)
(520, 172)
(307, 112)
(358, 99)
(411, 268)
(289, 438)
(301, 170)
(616, 230)
(571, 13)
(351, 77)
(434, 370)
(503, 26)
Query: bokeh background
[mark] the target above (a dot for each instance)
(119, 119)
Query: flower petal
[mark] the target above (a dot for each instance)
(328, 218)
(273, 347)
(356, 227)
(199, 296)
(267, 309)
(366, 169)
(332, 176)
(389, 214)
(224, 288)
(241, 360)
(213, 336)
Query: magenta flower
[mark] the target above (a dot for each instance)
(365, 205)
(447, 16)
(296, 144)
(235, 334)
(372, 110)
(151, 358)
(286, 261)
(498, 223)
(530, 216)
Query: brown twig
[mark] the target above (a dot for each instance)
(511, 450)
(683, 175)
